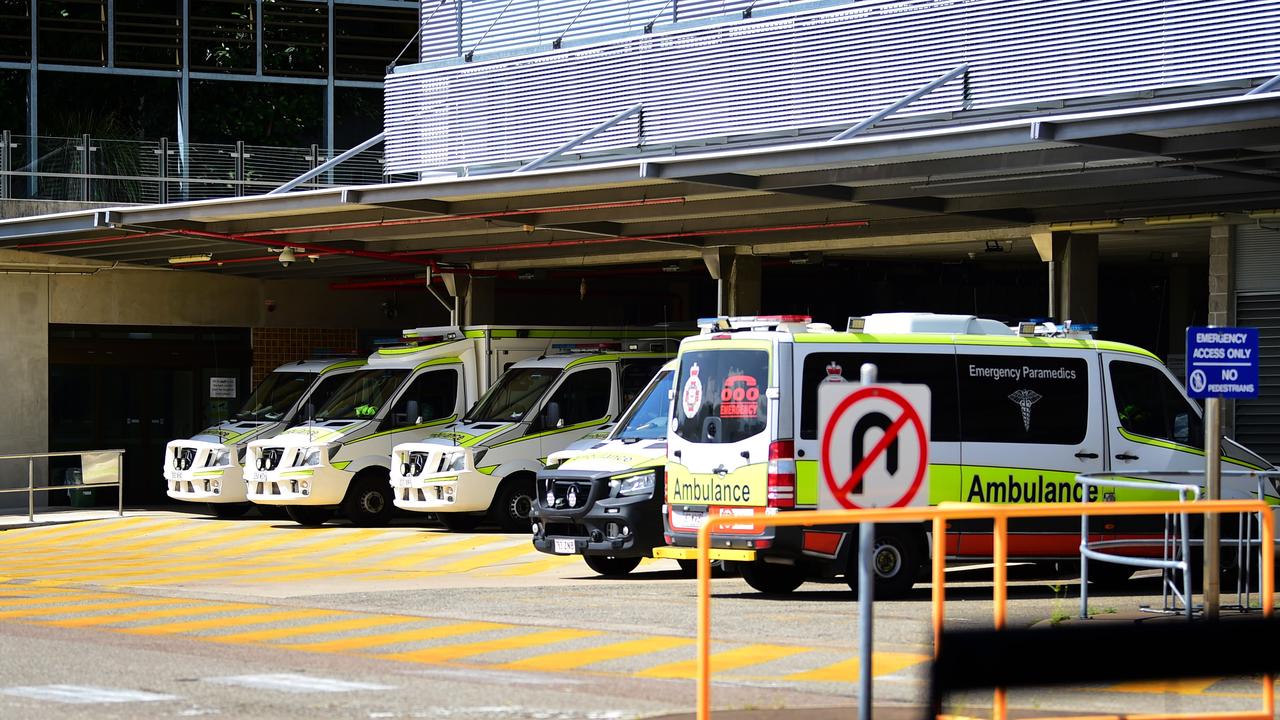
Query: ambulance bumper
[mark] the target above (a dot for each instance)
(224, 485)
(321, 485)
(465, 491)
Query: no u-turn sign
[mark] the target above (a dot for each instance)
(874, 446)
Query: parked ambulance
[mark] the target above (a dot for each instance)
(208, 468)
(339, 458)
(604, 503)
(485, 464)
(1014, 419)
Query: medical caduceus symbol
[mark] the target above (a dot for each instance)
(1025, 399)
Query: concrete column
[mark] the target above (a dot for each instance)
(1073, 274)
(744, 285)
(24, 427)
(480, 306)
(1222, 308)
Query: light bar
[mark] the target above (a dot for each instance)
(185, 259)
(1027, 329)
(856, 324)
(1085, 225)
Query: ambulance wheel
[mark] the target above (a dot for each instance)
(229, 511)
(611, 566)
(897, 557)
(273, 512)
(769, 578)
(515, 502)
(459, 522)
(1109, 575)
(368, 500)
(309, 515)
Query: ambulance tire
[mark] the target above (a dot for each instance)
(899, 557)
(368, 500)
(611, 566)
(273, 512)
(229, 511)
(515, 502)
(309, 515)
(459, 522)
(770, 578)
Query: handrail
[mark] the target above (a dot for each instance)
(1000, 515)
(31, 488)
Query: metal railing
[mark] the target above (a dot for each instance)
(1000, 515)
(93, 169)
(94, 464)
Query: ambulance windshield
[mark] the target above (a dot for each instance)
(274, 396)
(720, 395)
(515, 393)
(647, 418)
(362, 396)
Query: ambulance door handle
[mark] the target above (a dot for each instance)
(1126, 456)
(746, 454)
(676, 453)
(1087, 455)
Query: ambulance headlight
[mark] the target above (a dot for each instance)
(311, 457)
(638, 484)
(219, 457)
(216, 484)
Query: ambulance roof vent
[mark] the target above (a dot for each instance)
(903, 323)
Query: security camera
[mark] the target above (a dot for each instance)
(286, 256)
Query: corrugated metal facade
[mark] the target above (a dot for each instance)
(794, 68)
(1257, 280)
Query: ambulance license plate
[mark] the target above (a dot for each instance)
(565, 546)
(687, 519)
(258, 475)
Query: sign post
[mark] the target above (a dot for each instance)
(874, 452)
(1222, 362)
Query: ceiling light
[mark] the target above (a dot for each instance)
(1085, 225)
(1181, 219)
(994, 246)
(185, 259)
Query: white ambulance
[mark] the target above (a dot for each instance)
(208, 467)
(484, 465)
(604, 502)
(1015, 418)
(339, 458)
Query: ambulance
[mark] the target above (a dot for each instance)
(338, 459)
(604, 503)
(208, 467)
(1016, 415)
(485, 464)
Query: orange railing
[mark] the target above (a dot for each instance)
(1000, 515)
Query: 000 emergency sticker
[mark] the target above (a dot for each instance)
(691, 396)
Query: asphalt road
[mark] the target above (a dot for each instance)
(168, 615)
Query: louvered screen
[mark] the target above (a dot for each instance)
(1257, 260)
(1258, 420)
(816, 68)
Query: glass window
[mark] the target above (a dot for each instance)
(636, 374)
(647, 418)
(583, 396)
(363, 395)
(275, 395)
(720, 395)
(935, 370)
(515, 393)
(431, 396)
(324, 391)
(1149, 404)
(1023, 399)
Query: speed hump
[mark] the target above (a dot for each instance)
(874, 446)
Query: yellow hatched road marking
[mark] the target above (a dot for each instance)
(83, 608)
(723, 661)
(355, 623)
(225, 537)
(146, 615)
(882, 663)
(65, 597)
(153, 550)
(614, 651)
(412, 560)
(287, 541)
(481, 560)
(234, 620)
(240, 568)
(110, 541)
(533, 567)
(393, 638)
(162, 543)
(451, 652)
(417, 539)
(56, 536)
(1193, 686)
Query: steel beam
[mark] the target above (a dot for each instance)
(539, 162)
(905, 101)
(328, 164)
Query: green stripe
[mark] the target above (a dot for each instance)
(488, 469)
(440, 361)
(1165, 444)
(433, 423)
(340, 465)
(209, 473)
(615, 357)
(410, 349)
(972, 341)
(571, 428)
(339, 366)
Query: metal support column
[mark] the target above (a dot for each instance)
(163, 189)
(6, 163)
(31, 485)
(257, 33)
(239, 157)
(111, 33)
(329, 90)
(866, 592)
(33, 104)
(1212, 521)
(86, 167)
(184, 99)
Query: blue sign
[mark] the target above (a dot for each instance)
(1222, 362)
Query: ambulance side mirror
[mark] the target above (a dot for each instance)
(551, 416)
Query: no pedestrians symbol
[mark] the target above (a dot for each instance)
(874, 446)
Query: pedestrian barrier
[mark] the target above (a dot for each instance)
(97, 467)
(1000, 516)
(1176, 543)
